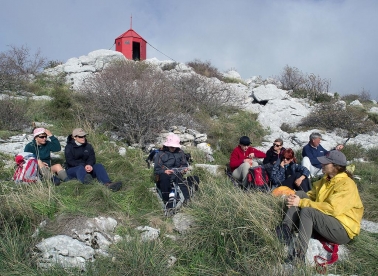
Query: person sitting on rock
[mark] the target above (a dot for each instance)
(81, 161)
(286, 172)
(333, 208)
(41, 148)
(241, 159)
(170, 165)
(312, 151)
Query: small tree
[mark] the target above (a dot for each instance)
(291, 78)
(16, 66)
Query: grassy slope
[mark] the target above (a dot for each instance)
(233, 233)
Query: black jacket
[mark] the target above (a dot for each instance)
(79, 155)
(272, 156)
(165, 160)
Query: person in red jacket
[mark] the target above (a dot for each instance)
(241, 159)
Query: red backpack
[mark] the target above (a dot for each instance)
(258, 178)
(27, 168)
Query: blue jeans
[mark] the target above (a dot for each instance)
(98, 172)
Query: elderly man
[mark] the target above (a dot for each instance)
(312, 151)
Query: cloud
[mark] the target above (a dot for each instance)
(333, 39)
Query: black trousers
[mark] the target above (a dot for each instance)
(165, 186)
(289, 182)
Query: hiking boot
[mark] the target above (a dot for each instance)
(87, 179)
(56, 181)
(284, 234)
(114, 186)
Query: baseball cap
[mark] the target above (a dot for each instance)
(335, 157)
(78, 132)
(244, 140)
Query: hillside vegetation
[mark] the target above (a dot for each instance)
(234, 231)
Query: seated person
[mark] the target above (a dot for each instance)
(332, 209)
(274, 152)
(81, 161)
(170, 157)
(241, 159)
(41, 148)
(312, 151)
(272, 155)
(288, 173)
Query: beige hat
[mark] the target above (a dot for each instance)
(78, 132)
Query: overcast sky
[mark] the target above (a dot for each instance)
(336, 40)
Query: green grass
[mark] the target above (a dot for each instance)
(233, 232)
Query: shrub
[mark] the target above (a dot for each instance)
(12, 114)
(365, 95)
(60, 107)
(132, 98)
(372, 154)
(205, 68)
(195, 93)
(288, 128)
(304, 85)
(16, 66)
(169, 66)
(291, 78)
(334, 115)
(349, 98)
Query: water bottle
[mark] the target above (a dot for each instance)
(172, 194)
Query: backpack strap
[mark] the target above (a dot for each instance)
(321, 262)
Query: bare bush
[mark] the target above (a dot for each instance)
(132, 98)
(365, 95)
(16, 66)
(12, 114)
(197, 93)
(205, 68)
(316, 86)
(304, 85)
(291, 78)
(333, 115)
(350, 98)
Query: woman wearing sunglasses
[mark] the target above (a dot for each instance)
(81, 161)
(42, 147)
(274, 152)
(286, 172)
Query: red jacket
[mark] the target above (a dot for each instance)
(238, 156)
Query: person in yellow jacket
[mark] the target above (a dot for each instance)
(332, 208)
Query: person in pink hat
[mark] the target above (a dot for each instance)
(171, 156)
(43, 144)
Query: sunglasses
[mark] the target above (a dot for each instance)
(81, 136)
(287, 158)
(42, 137)
(276, 145)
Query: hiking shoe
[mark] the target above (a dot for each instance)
(87, 179)
(284, 234)
(56, 181)
(114, 186)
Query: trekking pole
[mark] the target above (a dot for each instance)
(346, 141)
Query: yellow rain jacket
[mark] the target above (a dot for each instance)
(337, 197)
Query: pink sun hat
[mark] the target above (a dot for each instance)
(173, 140)
(39, 131)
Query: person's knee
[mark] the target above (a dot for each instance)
(306, 162)
(307, 212)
